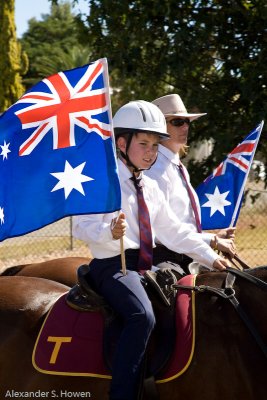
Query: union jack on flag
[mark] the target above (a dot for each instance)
(57, 153)
(221, 193)
(237, 157)
(69, 104)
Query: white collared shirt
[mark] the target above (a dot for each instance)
(95, 229)
(165, 172)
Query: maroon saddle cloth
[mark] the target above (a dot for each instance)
(72, 342)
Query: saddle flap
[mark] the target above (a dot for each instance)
(70, 342)
(184, 344)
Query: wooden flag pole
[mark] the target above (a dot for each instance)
(123, 262)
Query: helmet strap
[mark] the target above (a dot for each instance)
(129, 162)
(127, 159)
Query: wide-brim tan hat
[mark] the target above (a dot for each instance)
(172, 106)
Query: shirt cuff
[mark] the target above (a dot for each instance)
(207, 237)
(208, 258)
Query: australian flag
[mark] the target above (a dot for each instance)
(221, 194)
(57, 153)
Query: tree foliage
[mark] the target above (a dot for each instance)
(212, 52)
(52, 44)
(13, 62)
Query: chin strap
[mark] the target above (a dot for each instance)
(129, 162)
(127, 159)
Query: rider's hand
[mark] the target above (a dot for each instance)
(220, 264)
(228, 233)
(226, 246)
(118, 226)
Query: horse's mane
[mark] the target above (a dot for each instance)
(11, 271)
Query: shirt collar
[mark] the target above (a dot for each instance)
(173, 157)
(124, 172)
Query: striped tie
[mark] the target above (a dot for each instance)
(192, 198)
(146, 248)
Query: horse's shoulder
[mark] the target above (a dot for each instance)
(22, 293)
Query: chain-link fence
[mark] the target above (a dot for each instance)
(251, 232)
(56, 241)
(53, 241)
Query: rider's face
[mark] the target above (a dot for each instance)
(143, 149)
(178, 134)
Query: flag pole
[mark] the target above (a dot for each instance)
(245, 179)
(123, 262)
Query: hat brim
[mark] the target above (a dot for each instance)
(186, 115)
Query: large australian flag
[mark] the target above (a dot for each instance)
(57, 153)
(221, 194)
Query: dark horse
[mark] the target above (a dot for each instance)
(228, 362)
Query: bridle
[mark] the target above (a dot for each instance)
(228, 293)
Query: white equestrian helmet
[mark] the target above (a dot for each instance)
(140, 116)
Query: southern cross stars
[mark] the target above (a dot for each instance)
(2, 216)
(217, 201)
(71, 178)
(5, 150)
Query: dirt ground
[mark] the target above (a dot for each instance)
(81, 252)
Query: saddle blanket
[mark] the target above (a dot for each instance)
(70, 342)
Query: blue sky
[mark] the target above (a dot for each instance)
(26, 9)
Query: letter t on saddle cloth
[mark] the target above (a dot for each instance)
(191, 196)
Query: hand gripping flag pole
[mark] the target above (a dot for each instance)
(123, 262)
(57, 152)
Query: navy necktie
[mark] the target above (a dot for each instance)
(146, 247)
(192, 198)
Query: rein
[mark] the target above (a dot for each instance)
(228, 293)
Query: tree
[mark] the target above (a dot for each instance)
(13, 62)
(52, 44)
(211, 52)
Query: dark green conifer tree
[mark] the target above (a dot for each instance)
(13, 63)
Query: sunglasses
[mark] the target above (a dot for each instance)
(179, 121)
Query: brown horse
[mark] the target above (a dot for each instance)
(62, 270)
(227, 364)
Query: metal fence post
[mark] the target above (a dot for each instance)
(71, 237)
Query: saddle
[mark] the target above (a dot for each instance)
(74, 343)
(83, 297)
(159, 286)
